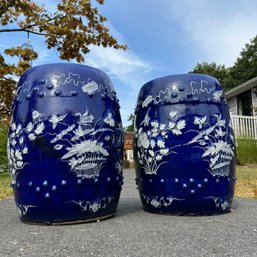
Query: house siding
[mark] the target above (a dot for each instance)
(232, 103)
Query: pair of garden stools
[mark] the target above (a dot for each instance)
(65, 145)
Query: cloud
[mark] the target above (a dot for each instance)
(127, 71)
(122, 65)
(218, 29)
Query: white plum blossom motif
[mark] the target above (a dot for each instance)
(40, 128)
(35, 115)
(85, 118)
(94, 206)
(151, 143)
(109, 119)
(90, 88)
(159, 202)
(143, 140)
(85, 155)
(17, 146)
(177, 127)
(30, 127)
(200, 121)
(32, 137)
(56, 119)
(216, 141)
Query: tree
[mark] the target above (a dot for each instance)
(220, 72)
(3, 143)
(130, 127)
(7, 87)
(71, 29)
(245, 67)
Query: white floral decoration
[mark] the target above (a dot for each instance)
(217, 95)
(173, 114)
(55, 119)
(90, 88)
(94, 206)
(200, 121)
(159, 202)
(215, 140)
(30, 127)
(147, 101)
(85, 154)
(40, 128)
(109, 120)
(143, 140)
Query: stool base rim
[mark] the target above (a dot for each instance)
(184, 213)
(69, 222)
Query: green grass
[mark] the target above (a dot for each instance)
(246, 152)
(246, 185)
(3, 142)
(5, 189)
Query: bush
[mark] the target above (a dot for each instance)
(246, 151)
(3, 143)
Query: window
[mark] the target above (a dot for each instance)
(244, 104)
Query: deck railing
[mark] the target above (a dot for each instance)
(244, 126)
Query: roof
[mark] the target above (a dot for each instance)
(242, 88)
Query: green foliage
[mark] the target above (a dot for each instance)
(7, 87)
(220, 72)
(130, 127)
(246, 152)
(244, 69)
(3, 143)
(71, 28)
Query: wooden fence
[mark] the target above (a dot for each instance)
(244, 126)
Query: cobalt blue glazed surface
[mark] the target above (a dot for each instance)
(184, 146)
(65, 144)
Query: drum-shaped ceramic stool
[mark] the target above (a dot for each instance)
(184, 146)
(65, 145)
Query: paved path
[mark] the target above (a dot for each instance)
(133, 232)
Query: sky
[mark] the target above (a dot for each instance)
(164, 37)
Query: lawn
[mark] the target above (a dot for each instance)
(5, 189)
(246, 185)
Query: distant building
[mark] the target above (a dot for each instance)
(128, 147)
(242, 100)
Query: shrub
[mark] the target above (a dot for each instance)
(246, 151)
(3, 143)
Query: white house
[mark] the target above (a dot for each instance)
(243, 98)
(242, 102)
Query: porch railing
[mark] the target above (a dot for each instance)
(244, 126)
